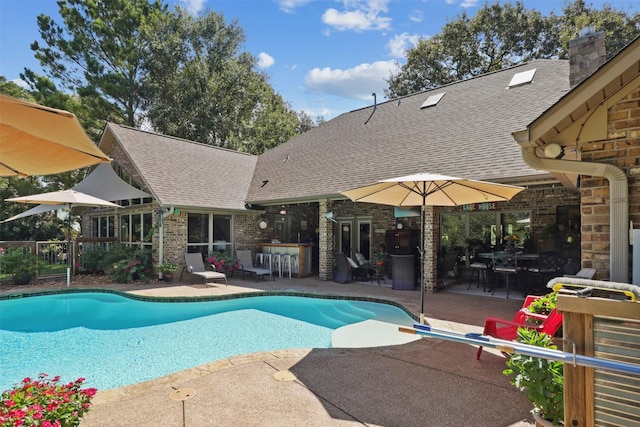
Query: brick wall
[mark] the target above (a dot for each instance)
(622, 149)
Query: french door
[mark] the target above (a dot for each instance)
(354, 235)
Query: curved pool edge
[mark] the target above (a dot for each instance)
(203, 298)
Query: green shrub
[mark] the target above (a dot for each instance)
(15, 261)
(94, 259)
(133, 264)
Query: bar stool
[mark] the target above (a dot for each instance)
(286, 264)
(263, 259)
(277, 263)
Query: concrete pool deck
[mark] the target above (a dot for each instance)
(427, 382)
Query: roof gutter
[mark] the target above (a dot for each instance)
(618, 205)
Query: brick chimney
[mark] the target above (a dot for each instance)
(586, 54)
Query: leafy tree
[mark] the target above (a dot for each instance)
(98, 51)
(14, 90)
(202, 88)
(503, 35)
(135, 62)
(35, 227)
(499, 36)
(619, 27)
(305, 122)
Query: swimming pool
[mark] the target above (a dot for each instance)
(114, 340)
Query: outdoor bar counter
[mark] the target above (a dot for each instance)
(302, 251)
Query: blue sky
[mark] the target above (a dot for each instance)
(324, 57)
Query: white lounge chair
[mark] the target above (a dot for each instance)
(195, 266)
(246, 264)
(584, 273)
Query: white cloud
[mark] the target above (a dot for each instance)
(399, 44)
(359, 15)
(469, 3)
(265, 60)
(193, 6)
(21, 83)
(290, 6)
(416, 16)
(353, 83)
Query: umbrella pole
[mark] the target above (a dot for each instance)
(69, 248)
(421, 252)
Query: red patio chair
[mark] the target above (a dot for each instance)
(507, 329)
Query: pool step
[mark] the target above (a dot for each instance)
(370, 333)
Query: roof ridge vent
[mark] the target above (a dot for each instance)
(432, 100)
(522, 78)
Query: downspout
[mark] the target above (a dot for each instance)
(162, 214)
(618, 203)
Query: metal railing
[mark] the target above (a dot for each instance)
(53, 256)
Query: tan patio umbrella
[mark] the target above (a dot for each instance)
(427, 189)
(70, 199)
(38, 140)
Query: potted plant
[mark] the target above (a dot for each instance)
(19, 264)
(544, 304)
(168, 270)
(541, 380)
(379, 258)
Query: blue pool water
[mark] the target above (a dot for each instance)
(113, 341)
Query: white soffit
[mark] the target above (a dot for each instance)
(432, 100)
(522, 78)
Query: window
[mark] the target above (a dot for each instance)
(516, 223)
(135, 229)
(432, 100)
(522, 78)
(103, 226)
(453, 237)
(209, 232)
(365, 238)
(482, 231)
(127, 178)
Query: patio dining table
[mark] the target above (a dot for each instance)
(524, 261)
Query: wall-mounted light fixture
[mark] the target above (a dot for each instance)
(331, 216)
(553, 151)
(262, 224)
(283, 211)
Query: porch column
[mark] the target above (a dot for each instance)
(431, 238)
(325, 245)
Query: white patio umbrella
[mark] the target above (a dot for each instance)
(427, 189)
(69, 199)
(38, 140)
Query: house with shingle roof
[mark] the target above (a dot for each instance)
(208, 198)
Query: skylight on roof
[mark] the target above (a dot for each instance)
(432, 100)
(522, 78)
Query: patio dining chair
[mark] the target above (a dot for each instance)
(546, 268)
(195, 266)
(505, 265)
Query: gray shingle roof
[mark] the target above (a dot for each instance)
(187, 174)
(467, 134)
